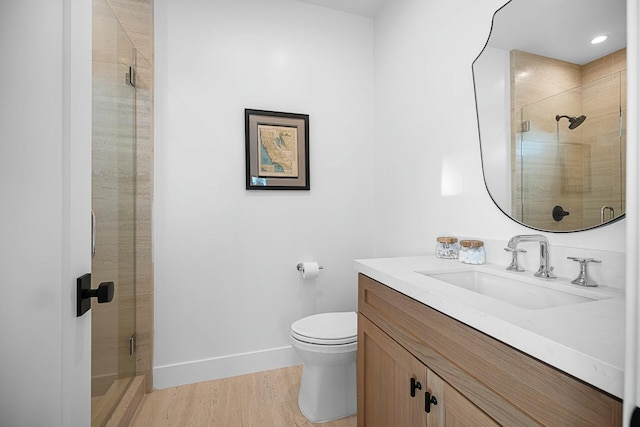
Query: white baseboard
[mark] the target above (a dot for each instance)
(225, 366)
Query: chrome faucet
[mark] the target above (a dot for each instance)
(545, 269)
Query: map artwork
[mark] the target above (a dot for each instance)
(277, 151)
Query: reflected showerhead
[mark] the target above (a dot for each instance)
(574, 122)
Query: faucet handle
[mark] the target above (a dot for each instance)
(514, 266)
(583, 278)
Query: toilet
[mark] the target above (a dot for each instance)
(327, 344)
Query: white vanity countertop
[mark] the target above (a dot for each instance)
(585, 340)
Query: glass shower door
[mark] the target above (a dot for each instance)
(113, 205)
(579, 168)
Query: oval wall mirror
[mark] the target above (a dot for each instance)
(551, 109)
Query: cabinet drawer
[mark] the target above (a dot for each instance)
(510, 386)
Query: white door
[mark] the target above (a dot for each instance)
(45, 179)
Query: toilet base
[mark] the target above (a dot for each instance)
(328, 392)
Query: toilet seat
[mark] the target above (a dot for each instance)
(327, 328)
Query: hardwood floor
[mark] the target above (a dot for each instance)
(268, 398)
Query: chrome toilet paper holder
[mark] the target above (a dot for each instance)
(299, 267)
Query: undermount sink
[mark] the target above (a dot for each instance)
(512, 290)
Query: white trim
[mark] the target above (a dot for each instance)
(224, 366)
(76, 206)
(632, 360)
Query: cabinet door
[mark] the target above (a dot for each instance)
(385, 371)
(453, 409)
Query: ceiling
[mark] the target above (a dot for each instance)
(367, 8)
(560, 29)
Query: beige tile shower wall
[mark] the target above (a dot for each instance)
(136, 16)
(578, 170)
(534, 78)
(605, 66)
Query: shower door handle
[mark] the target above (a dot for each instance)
(612, 213)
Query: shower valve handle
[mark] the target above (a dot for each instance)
(558, 213)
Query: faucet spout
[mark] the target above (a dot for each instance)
(545, 270)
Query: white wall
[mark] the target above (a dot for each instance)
(45, 184)
(492, 82)
(426, 133)
(395, 162)
(226, 285)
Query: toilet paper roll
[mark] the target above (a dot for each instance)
(310, 270)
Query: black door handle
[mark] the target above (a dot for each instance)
(104, 293)
(635, 418)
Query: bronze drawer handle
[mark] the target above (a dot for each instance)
(428, 400)
(415, 385)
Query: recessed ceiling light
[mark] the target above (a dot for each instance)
(598, 39)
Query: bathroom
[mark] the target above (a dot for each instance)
(394, 160)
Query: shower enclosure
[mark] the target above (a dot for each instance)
(573, 164)
(113, 364)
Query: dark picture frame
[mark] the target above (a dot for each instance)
(277, 150)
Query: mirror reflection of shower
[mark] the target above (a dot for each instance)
(574, 122)
(575, 161)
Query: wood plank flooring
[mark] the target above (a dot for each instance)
(268, 398)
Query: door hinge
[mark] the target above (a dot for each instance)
(131, 76)
(525, 126)
(132, 344)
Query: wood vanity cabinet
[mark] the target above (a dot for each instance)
(398, 390)
(411, 356)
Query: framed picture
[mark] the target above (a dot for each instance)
(277, 150)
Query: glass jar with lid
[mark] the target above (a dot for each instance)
(447, 247)
(472, 252)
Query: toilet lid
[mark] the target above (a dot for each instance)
(327, 328)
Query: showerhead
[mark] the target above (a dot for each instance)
(574, 122)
